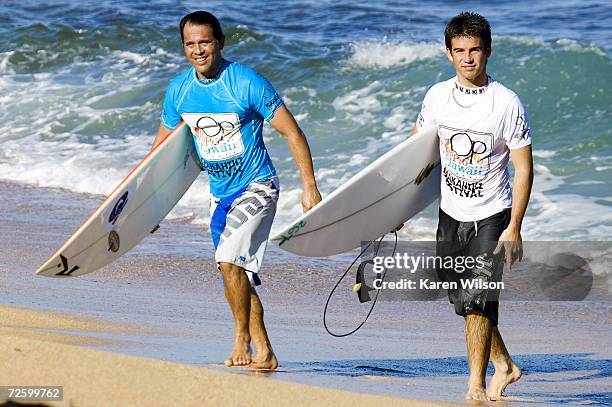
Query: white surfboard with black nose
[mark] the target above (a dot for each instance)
(391, 190)
(136, 206)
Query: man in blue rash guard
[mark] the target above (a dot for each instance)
(225, 103)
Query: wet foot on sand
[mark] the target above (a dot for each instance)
(501, 379)
(476, 393)
(241, 355)
(264, 361)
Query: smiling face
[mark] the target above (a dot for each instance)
(202, 49)
(469, 58)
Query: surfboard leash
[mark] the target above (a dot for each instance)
(342, 278)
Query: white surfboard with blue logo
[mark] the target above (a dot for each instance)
(136, 206)
(389, 191)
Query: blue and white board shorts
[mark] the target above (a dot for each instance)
(240, 225)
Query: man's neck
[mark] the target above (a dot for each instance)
(479, 82)
(212, 73)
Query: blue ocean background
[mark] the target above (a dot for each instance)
(81, 86)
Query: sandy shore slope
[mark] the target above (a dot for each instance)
(35, 353)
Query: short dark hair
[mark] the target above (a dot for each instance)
(468, 24)
(202, 18)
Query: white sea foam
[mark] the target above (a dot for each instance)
(420, 227)
(554, 216)
(573, 45)
(4, 62)
(363, 106)
(589, 182)
(399, 118)
(194, 205)
(382, 54)
(54, 133)
(563, 44)
(35, 153)
(300, 117)
(289, 207)
(544, 153)
(358, 159)
(51, 135)
(131, 57)
(361, 103)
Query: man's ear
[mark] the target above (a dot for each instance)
(222, 42)
(489, 51)
(449, 54)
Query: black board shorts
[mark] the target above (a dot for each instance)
(476, 240)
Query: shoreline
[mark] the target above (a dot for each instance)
(90, 377)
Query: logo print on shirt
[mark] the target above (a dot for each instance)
(466, 154)
(466, 148)
(214, 131)
(218, 136)
(271, 98)
(522, 129)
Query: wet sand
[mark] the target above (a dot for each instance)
(92, 378)
(167, 299)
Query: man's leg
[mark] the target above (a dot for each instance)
(264, 357)
(478, 333)
(238, 294)
(506, 371)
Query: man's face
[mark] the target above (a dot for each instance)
(469, 59)
(202, 49)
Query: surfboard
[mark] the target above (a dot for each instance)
(131, 212)
(389, 191)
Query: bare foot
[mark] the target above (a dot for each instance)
(264, 360)
(501, 379)
(476, 393)
(241, 355)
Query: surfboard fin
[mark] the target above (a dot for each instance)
(154, 229)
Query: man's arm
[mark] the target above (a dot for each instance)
(162, 133)
(284, 122)
(510, 238)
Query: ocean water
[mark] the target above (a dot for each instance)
(81, 86)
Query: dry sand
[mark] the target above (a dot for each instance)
(33, 355)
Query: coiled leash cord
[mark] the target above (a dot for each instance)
(342, 278)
